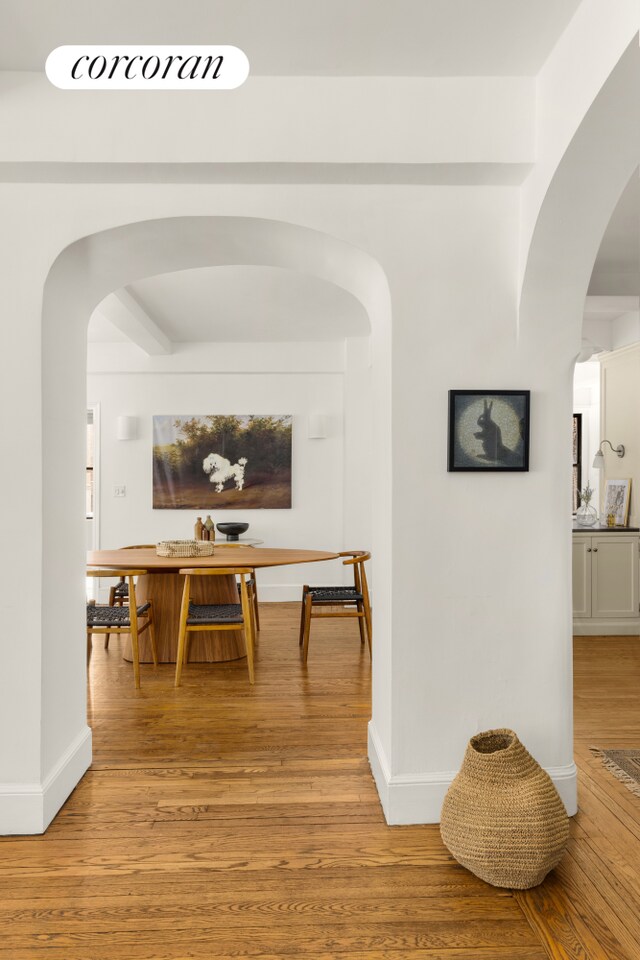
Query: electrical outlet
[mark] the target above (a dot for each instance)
(119, 490)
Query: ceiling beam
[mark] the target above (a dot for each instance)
(127, 315)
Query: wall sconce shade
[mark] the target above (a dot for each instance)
(317, 426)
(598, 460)
(127, 428)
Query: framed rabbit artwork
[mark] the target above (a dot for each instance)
(488, 430)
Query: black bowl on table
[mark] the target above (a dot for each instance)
(232, 530)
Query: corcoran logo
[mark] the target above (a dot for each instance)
(147, 68)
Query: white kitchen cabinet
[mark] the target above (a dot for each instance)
(606, 583)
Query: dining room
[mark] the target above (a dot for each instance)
(316, 373)
(285, 359)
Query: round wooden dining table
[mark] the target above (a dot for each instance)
(163, 584)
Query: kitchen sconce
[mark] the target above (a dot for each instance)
(317, 426)
(598, 460)
(127, 428)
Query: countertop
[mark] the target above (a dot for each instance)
(598, 528)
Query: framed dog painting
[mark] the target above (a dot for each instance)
(219, 462)
(488, 430)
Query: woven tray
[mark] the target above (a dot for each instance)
(184, 548)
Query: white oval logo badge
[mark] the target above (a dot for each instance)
(129, 67)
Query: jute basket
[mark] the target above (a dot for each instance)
(184, 548)
(502, 817)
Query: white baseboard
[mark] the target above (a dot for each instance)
(418, 798)
(606, 628)
(279, 592)
(27, 808)
(565, 780)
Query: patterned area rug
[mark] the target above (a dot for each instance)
(623, 764)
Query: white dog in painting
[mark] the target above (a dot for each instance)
(220, 470)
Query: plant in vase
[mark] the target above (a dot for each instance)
(586, 515)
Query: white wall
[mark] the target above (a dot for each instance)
(320, 469)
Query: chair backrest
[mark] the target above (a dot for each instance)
(122, 575)
(189, 572)
(356, 558)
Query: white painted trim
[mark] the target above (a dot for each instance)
(606, 628)
(565, 780)
(379, 767)
(27, 808)
(279, 592)
(418, 798)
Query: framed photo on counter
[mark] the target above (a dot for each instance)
(616, 500)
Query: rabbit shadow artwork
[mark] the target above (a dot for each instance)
(488, 431)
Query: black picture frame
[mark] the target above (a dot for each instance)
(489, 430)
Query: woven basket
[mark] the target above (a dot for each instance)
(502, 817)
(184, 548)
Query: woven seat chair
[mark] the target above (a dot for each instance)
(252, 591)
(356, 597)
(214, 616)
(119, 592)
(115, 618)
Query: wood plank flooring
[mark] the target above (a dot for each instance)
(590, 907)
(220, 820)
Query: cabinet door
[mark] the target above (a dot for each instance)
(581, 577)
(614, 576)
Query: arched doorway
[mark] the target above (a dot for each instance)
(83, 274)
(587, 183)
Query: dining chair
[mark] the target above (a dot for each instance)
(252, 591)
(355, 597)
(252, 588)
(119, 592)
(214, 616)
(117, 618)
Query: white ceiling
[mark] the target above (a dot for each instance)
(239, 304)
(305, 37)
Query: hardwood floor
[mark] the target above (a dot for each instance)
(590, 907)
(220, 821)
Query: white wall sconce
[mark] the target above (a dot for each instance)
(127, 428)
(317, 426)
(598, 460)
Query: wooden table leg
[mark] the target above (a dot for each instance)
(204, 645)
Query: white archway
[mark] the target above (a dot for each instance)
(586, 186)
(82, 275)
